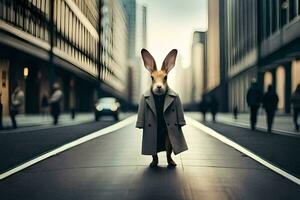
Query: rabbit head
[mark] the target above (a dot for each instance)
(159, 78)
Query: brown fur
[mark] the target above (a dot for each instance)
(159, 77)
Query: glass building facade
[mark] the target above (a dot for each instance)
(63, 41)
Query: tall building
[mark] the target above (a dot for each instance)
(142, 79)
(213, 46)
(258, 41)
(130, 7)
(43, 42)
(214, 75)
(198, 65)
(238, 20)
(114, 50)
(279, 36)
(137, 39)
(183, 84)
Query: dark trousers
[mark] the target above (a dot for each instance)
(55, 119)
(1, 116)
(214, 116)
(72, 113)
(168, 146)
(295, 118)
(253, 116)
(55, 111)
(270, 118)
(13, 114)
(204, 116)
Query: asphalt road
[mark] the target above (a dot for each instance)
(111, 167)
(281, 150)
(19, 146)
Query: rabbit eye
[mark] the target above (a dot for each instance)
(152, 78)
(165, 78)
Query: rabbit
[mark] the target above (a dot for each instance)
(160, 113)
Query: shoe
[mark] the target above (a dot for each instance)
(171, 163)
(154, 163)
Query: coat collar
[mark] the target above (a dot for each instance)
(168, 99)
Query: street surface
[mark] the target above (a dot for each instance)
(25, 143)
(281, 150)
(111, 167)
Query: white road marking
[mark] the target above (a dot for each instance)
(276, 131)
(245, 151)
(64, 147)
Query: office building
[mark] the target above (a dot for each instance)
(45, 41)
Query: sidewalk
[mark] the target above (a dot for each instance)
(283, 124)
(33, 122)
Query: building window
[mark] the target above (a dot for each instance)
(274, 15)
(283, 13)
(268, 18)
(292, 8)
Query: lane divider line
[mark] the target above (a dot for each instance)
(72, 144)
(242, 149)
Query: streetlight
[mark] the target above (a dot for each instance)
(25, 72)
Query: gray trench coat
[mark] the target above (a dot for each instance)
(174, 118)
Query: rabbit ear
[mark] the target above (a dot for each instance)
(169, 61)
(149, 61)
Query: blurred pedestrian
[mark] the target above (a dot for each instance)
(44, 104)
(204, 106)
(72, 104)
(254, 96)
(235, 112)
(214, 106)
(270, 101)
(1, 111)
(17, 100)
(295, 100)
(72, 99)
(54, 101)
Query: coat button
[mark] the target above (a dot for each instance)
(149, 125)
(168, 124)
(173, 110)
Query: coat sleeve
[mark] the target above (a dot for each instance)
(141, 114)
(180, 115)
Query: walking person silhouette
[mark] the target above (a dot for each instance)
(254, 96)
(295, 100)
(270, 101)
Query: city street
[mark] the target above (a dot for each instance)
(22, 144)
(216, 81)
(111, 167)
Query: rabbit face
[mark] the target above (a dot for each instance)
(159, 78)
(159, 82)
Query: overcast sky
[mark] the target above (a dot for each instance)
(171, 24)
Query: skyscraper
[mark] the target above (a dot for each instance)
(137, 39)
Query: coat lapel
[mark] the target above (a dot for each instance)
(150, 101)
(169, 98)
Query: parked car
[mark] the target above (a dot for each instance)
(107, 106)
